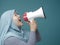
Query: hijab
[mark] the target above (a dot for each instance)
(8, 28)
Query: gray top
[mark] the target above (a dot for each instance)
(15, 41)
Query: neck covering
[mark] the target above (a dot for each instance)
(8, 28)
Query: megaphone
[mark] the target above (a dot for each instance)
(29, 16)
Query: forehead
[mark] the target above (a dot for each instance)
(15, 13)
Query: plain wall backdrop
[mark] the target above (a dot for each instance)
(49, 28)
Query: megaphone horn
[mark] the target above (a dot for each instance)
(28, 16)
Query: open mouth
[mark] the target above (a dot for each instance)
(19, 19)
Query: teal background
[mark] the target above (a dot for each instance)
(49, 28)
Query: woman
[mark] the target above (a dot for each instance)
(11, 32)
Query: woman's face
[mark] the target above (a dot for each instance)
(17, 19)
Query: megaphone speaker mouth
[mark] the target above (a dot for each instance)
(25, 17)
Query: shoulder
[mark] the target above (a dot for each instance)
(13, 41)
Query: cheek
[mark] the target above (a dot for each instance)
(20, 23)
(17, 22)
(15, 18)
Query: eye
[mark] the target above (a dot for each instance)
(15, 14)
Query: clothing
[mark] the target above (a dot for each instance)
(16, 41)
(9, 32)
(5, 22)
(33, 38)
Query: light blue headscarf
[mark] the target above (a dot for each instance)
(8, 28)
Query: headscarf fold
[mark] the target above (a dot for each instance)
(8, 28)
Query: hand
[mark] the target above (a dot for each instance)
(33, 25)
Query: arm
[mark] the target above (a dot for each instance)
(32, 38)
(35, 37)
(38, 38)
(33, 27)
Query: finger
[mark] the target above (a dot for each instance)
(28, 22)
(33, 21)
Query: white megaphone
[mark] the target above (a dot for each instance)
(29, 16)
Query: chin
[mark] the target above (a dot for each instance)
(20, 24)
